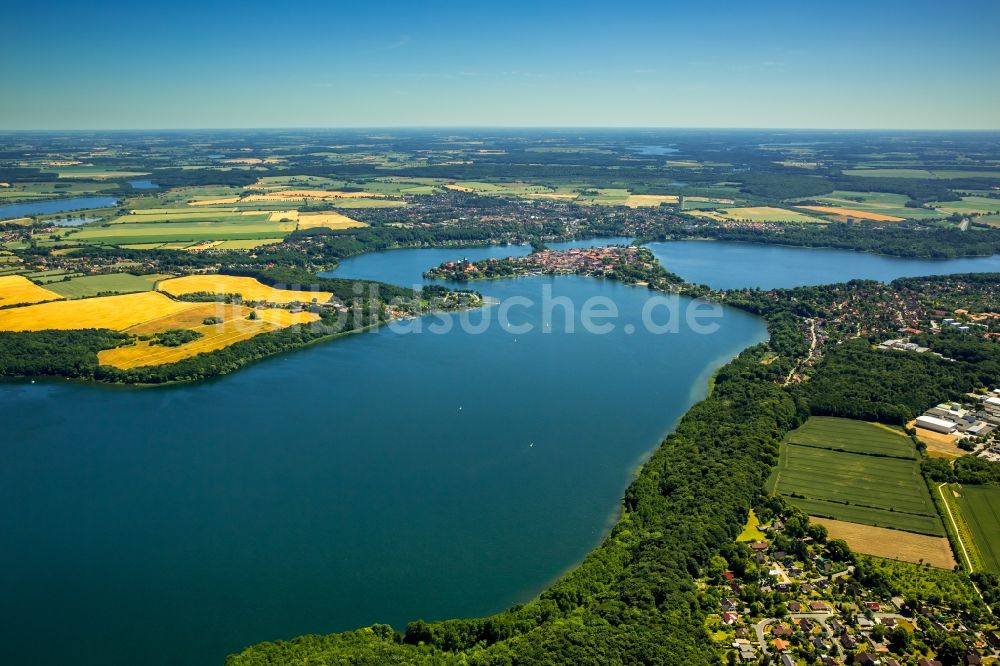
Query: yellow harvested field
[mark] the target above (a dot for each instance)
(891, 544)
(939, 445)
(328, 220)
(249, 288)
(551, 195)
(114, 312)
(279, 215)
(234, 328)
(639, 200)
(709, 214)
(248, 244)
(19, 290)
(18, 220)
(287, 195)
(213, 337)
(193, 317)
(214, 202)
(850, 212)
(205, 245)
(284, 318)
(458, 188)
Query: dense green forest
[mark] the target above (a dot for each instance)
(859, 382)
(897, 240)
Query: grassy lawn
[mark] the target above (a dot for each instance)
(856, 472)
(751, 531)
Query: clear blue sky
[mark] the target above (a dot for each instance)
(877, 63)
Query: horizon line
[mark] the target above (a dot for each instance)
(501, 127)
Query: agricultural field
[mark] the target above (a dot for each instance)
(861, 476)
(891, 544)
(761, 214)
(245, 227)
(249, 288)
(247, 244)
(878, 203)
(836, 434)
(969, 206)
(19, 290)
(112, 312)
(980, 509)
(327, 220)
(307, 195)
(514, 189)
(172, 215)
(852, 212)
(234, 327)
(92, 285)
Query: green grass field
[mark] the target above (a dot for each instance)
(980, 507)
(237, 228)
(859, 483)
(969, 206)
(836, 434)
(188, 215)
(92, 285)
(769, 214)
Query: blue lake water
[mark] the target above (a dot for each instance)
(54, 206)
(736, 265)
(143, 184)
(654, 150)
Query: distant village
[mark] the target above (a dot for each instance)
(597, 262)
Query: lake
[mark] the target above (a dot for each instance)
(380, 478)
(384, 477)
(735, 265)
(654, 150)
(54, 206)
(143, 184)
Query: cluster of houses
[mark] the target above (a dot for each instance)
(824, 615)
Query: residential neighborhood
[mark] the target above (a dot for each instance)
(799, 600)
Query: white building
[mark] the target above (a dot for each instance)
(935, 424)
